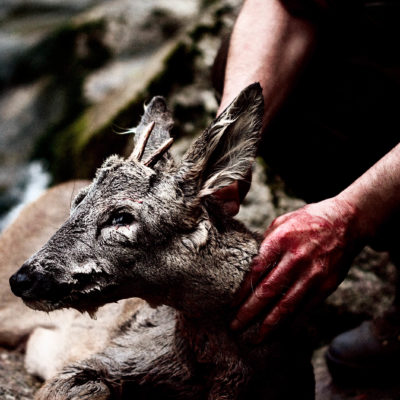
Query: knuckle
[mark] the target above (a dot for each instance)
(266, 290)
(246, 312)
(301, 254)
(285, 309)
(289, 304)
(316, 274)
(272, 320)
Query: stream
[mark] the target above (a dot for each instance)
(35, 180)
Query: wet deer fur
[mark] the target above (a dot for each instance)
(154, 231)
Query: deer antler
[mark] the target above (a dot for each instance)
(157, 154)
(141, 144)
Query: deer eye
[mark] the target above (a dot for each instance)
(121, 219)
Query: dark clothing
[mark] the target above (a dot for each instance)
(345, 112)
(316, 8)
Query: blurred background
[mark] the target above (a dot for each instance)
(74, 73)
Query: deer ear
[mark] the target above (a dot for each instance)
(153, 131)
(225, 152)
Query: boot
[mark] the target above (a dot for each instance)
(369, 352)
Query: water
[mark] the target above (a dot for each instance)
(35, 181)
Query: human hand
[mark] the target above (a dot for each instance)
(303, 258)
(232, 195)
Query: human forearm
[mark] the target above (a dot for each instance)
(268, 45)
(375, 196)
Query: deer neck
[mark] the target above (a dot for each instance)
(215, 275)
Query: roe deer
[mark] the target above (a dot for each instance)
(148, 228)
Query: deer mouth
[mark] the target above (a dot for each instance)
(82, 294)
(88, 301)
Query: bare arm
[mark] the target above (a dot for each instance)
(268, 45)
(376, 194)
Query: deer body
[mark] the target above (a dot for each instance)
(150, 229)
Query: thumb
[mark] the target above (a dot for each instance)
(229, 199)
(231, 196)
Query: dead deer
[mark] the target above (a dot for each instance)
(148, 228)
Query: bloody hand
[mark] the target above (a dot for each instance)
(302, 259)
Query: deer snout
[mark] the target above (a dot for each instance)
(20, 282)
(30, 284)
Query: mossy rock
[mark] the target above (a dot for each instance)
(77, 150)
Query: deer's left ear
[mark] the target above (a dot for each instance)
(225, 152)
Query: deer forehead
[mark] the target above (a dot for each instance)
(121, 183)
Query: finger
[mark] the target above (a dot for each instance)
(229, 198)
(261, 266)
(266, 293)
(287, 308)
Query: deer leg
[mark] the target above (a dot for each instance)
(141, 358)
(76, 382)
(118, 372)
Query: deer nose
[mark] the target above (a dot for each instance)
(22, 282)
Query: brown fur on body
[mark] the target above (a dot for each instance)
(155, 232)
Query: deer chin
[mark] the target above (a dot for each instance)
(48, 306)
(42, 305)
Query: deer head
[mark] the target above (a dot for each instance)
(146, 227)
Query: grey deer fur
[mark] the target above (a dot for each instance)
(64, 336)
(156, 233)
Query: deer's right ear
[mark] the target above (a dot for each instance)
(224, 153)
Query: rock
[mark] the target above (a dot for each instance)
(26, 112)
(15, 382)
(92, 135)
(14, 6)
(364, 292)
(172, 70)
(135, 27)
(26, 29)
